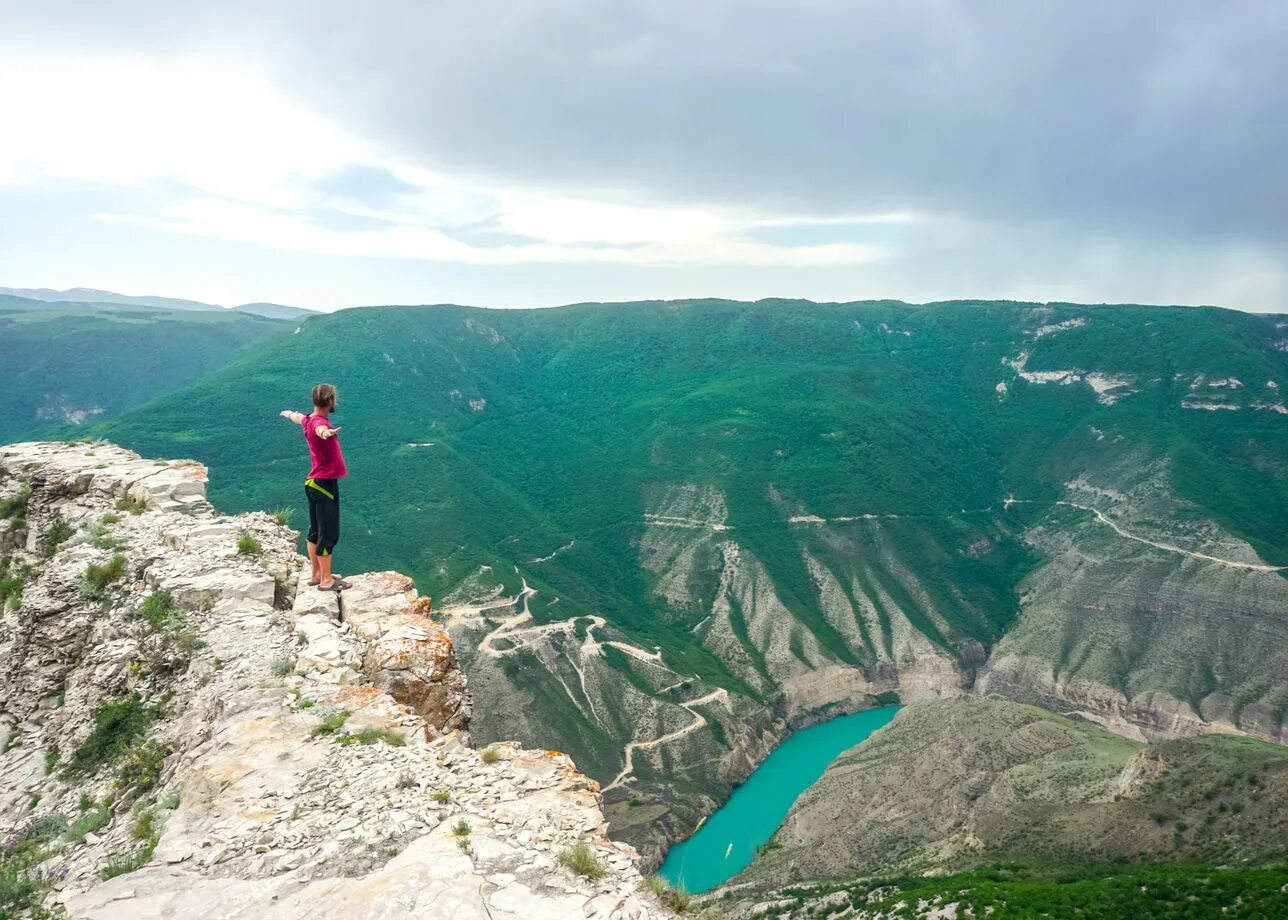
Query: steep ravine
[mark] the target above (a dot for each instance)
(189, 730)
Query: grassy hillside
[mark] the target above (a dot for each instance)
(1020, 893)
(995, 782)
(63, 366)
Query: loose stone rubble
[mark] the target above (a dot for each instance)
(319, 763)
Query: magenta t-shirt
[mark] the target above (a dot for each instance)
(328, 462)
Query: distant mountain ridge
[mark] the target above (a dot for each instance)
(90, 297)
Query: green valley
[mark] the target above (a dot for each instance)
(664, 534)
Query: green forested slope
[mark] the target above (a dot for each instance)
(65, 365)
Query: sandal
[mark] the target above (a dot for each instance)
(337, 585)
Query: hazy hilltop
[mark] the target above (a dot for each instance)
(665, 532)
(91, 298)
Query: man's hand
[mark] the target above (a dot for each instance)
(292, 415)
(328, 433)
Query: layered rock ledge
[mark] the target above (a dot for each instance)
(189, 730)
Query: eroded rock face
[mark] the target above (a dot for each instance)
(407, 654)
(298, 755)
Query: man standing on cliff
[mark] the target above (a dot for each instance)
(322, 487)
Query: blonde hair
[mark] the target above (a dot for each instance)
(324, 396)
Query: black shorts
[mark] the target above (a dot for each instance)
(324, 513)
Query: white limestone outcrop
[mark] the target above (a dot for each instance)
(300, 756)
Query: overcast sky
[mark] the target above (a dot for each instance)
(535, 152)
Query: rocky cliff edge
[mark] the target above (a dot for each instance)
(189, 730)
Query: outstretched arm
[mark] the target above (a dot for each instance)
(292, 415)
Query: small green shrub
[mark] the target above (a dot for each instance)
(58, 533)
(140, 767)
(98, 577)
(405, 781)
(580, 859)
(11, 592)
(461, 828)
(463, 844)
(15, 508)
(117, 725)
(283, 666)
(249, 546)
(169, 802)
(109, 519)
(145, 825)
(160, 611)
(306, 703)
(331, 724)
(491, 754)
(442, 797)
(283, 516)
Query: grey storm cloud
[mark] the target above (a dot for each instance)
(1164, 117)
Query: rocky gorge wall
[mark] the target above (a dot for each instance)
(188, 729)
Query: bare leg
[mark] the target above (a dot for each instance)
(313, 562)
(325, 580)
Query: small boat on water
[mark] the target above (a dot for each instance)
(728, 850)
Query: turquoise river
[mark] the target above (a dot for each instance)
(727, 841)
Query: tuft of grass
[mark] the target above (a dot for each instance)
(283, 666)
(461, 828)
(405, 780)
(331, 724)
(59, 533)
(389, 736)
(491, 754)
(131, 504)
(678, 900)
(123, 863)
(95, 818)
(442, 797)
(100, 539)
(98, 577)
(13, 739)
(169, 802)
(283, 516)
(110, 518)
(249, 546)
(463, 844)
(581, 860)
(117, 725)
(305, 703)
